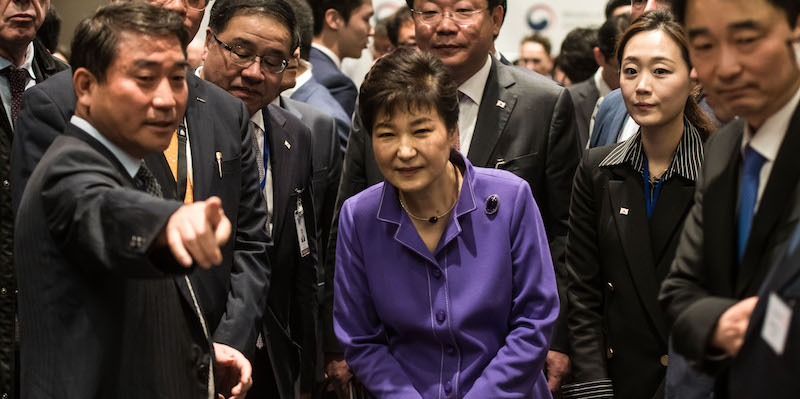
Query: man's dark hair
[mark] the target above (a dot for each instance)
(577, 54)
(613, 5)
(401, 16)
(344, 7)
(539, 38)
(407, 79)
(609, 32)
(277, 10)
(95, 44)
(49, 31)
(790, 7)
(305, 25)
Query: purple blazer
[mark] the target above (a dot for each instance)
(471, 320)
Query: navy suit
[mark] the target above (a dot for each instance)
(317, 96)
(338, 84)
(609, 120)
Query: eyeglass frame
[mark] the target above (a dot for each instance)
(252, 58)
(162, 3)
(443, 14)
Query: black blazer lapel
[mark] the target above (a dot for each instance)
(493, 114)
(159, 167)
(774, 203)
(201, 138)
(282, 169)
(630, 217)
(667, 221)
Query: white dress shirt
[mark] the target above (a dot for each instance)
(470, 103)
(5, 88)
(258, 119)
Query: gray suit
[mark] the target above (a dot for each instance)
(584, 96)
(526, 126)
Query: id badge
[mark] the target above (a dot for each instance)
(776, 324)
(300, 227)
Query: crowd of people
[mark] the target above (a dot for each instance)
(620, 220)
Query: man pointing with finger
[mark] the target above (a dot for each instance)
(106, 306)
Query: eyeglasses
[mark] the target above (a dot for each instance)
(244, 57)
(461, 16)
(194, 5)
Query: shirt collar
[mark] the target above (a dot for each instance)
(686, 162)
(329, 53)
(258, 119)
(474, 86)
(26, 65)
(600, 83)
(129, 162)
(301, 79)
(768, 138)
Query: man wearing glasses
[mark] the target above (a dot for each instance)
(248, 45)
(508, 119)
(209, 155)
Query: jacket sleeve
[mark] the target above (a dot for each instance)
(250, 270)
(585, 287)
(356, 322)
(515, 368)
(562, 159)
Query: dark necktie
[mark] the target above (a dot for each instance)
(17, 78)
(748, 194)
(147, 182)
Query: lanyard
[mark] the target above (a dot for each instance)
(650, 201)
(181, 172)
(266, 163)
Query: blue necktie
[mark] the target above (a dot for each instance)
(748, 194)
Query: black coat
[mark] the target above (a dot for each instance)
(44, 65)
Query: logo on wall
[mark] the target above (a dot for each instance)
(384, 10)
(541, 17)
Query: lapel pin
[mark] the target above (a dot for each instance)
(623, 211)
(200, 99)
(501, 103)
(492, 204)
(288, 146)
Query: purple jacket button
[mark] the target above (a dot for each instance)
(441, 316)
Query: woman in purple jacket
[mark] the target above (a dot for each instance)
(444, 284)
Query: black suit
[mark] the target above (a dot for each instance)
(758, 371)
(44, 65)
(232, 294)
(706, 279)
(526, 126)
(84, 246)
(289, 325)
(584, 96)
(617, 259)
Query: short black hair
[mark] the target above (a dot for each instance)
(408, 79)
(790, 7)
(48, 33)
(96, 41)
(613, 5)
(344, 7)
(278, 10)
(305, 25)
(576, 58)
(609, 32)
(396, 20)
(539, 38)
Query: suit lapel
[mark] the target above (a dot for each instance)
(630, 217)
(201, 140)
(493, 114)
(671, 208)
(282, 168)
(159, 167)
(774, 202)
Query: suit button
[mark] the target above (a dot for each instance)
(450, 350)
(5, 185)
(3, 291)
(610, 286)
(437, 274)
(448, 388)
(136, 242)
(665, 360)
(441, 316)
(5, 396)
(202, 371)
(609, 353)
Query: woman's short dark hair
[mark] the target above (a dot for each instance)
(410, 80)
(665, 22)
(96, 41)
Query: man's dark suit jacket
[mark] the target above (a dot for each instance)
(706, 279)
(289, 325)
(338, 84)
(84, 236)
(526, 125)
(232, 294)
(758, 371)
(317, 96)
(616, 263)
(609, 121)
(44, 65)
(584, 96)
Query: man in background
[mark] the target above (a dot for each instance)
(534, 54)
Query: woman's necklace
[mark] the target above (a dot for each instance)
(432, 219)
